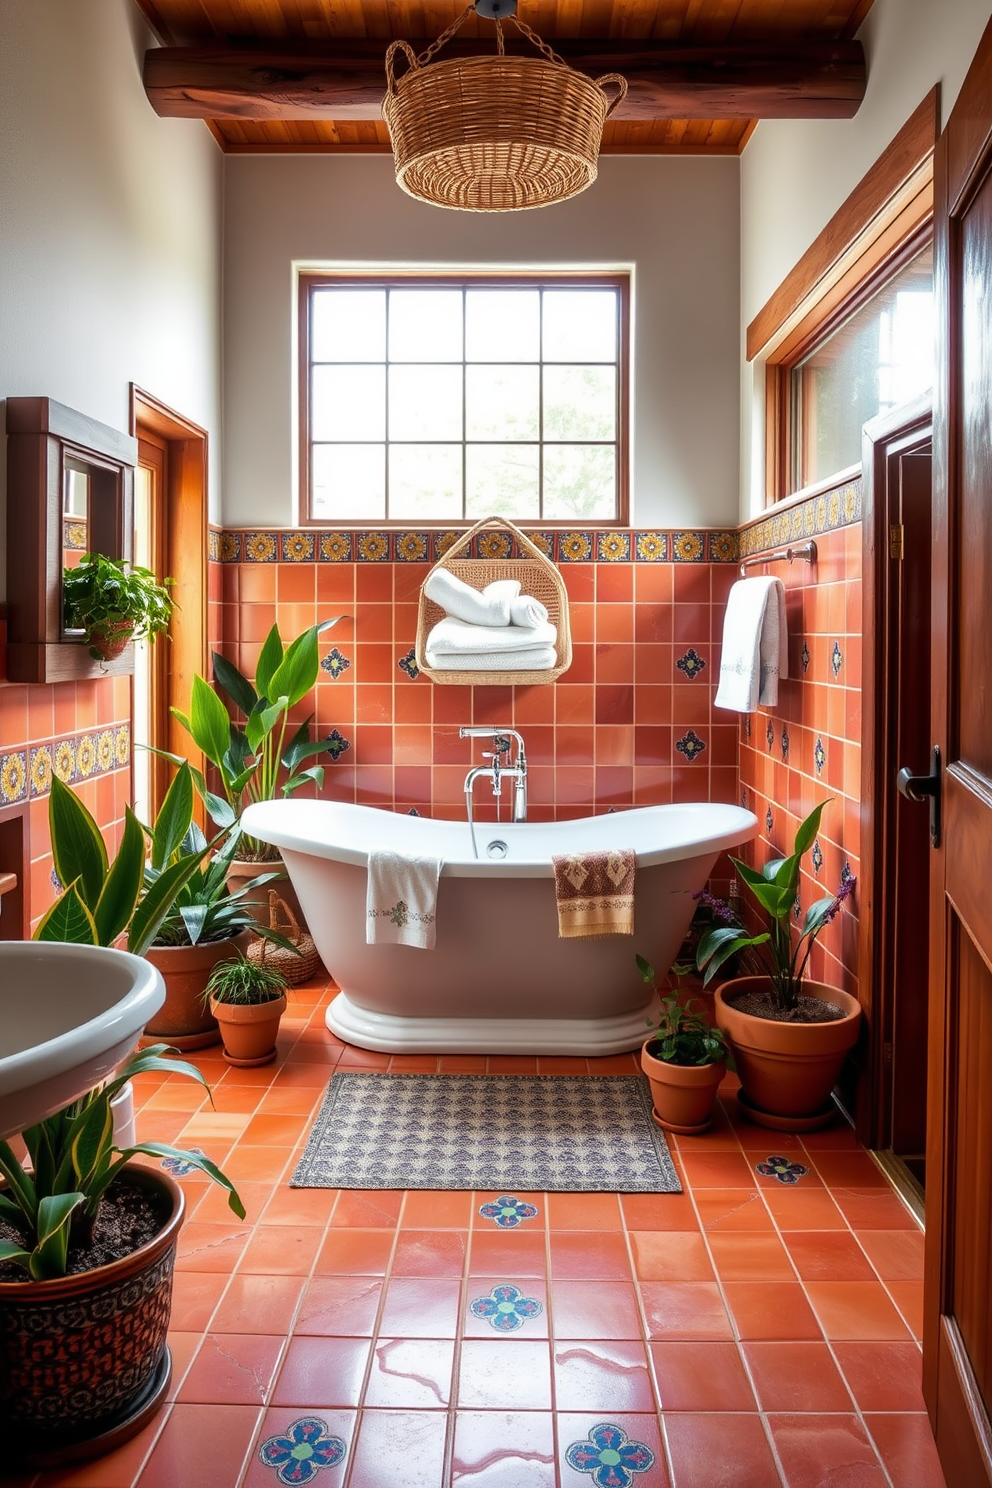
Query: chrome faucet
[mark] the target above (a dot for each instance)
(516, 771)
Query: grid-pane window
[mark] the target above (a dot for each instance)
(440, 401)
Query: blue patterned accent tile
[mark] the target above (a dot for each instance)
(14, 776)
(373, 547)
(545, 542)
(506, 1308)
(782, 1169)
(213, 546)
(650, 547)
(408, 664)
(769, 820)
(805, 658)
(845, 873)
(41, 768)
(785, 745)
(337, 744)
(797, 907)
(819, 756)
(574, 547)
(507, 1212)
(300, 1452)
(413, 811)
(691, 664)
(411, 547)
(817, 856)
(261, 547)
(836, 658)
(770, 734)
(690, 745)
(335, 547)
(297, 547)
(334, 664)
(230, 547)
(64, 760)
(747, 726)
(609, 1456)
(723, 547)
(744, 799)
(493, 545)
(687, 547)
(56, 882)
(179, 1167)
(613, 547)
(122, 746)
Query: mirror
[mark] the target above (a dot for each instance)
(75, 518)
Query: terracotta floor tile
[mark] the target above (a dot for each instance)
(855, 1309)
(212, 1128)
(873, 1209)
(299, 1206)
(363, 1059)
(589, 1254)
(672, 1255)
(410, 1373)
(803, 1208)
(796, 1377)
(639, 1430)
(195, 1295)
(513, 1253)
(614, 1064)
(897, 1255)
(258, 1304)
(430, 1253)
(584, 1211)
(511, 1064)
(399, 1447)
(602, 1376)
(232, 1369)
(413, 1064)
(117, 1470)
(211, 1247)
(718, 1170)
(700, 1377)
(658, 1211)
(746, 1257)
(201, 1445)
(717, 1448)
(908, 1297)
(504, 1449)
(183, 1347)
(210, 1205)
(273, 1130)
(420, 1307)
(839, 1137)
(826, 1449)
(906, 1447)
(462, 1064)
(504, 1374)
(365, 1252)
(833, 1256)
(771, 1309)
(278, 1421)
(320, 1372)
(345, 1306)
(849, 1170)
(431, 1209)
(730, 1210)
(256, 1162)
(291, 1101)
(368, 1209)
(281, 1250)
(883, 1376)
(684, 1310)
(595, 1309)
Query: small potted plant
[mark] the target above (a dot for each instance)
(113, 602)
(684, 1058)
(790, 1035)
(247, 998)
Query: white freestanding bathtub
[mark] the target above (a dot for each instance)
(499, 980)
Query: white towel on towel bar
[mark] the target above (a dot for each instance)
(455, 637)
(541, 660)
(401, 904)
(755, 646)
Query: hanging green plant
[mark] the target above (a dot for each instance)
(114, 602)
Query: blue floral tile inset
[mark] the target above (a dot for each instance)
(408, 664)
(691, 664)
(819, 756)
(723, 547)
(690, 745)
(334, 664)
(614, 547)
(836, 658)
(770, 734)
(230, 547)
(493, 545)
(337, 744)
(507, 1212)
(785, 745)
(335, 547)
(846, 874)
(769, 820)
(506, 1309)
(299, 1453)
(687, 547)
(797, 907)
(782, 1169)
(14, 776)
(179, 1167)
(817, 856)
(610, 1456)
(261, 547)
(805, 658)
(56, 882)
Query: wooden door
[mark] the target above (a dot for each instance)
(958, 1298)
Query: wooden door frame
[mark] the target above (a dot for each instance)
(185, 551)
(886, 438)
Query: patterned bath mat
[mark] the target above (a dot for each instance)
(550, 1133)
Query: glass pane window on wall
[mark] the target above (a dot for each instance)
(881, 357)
(443, 401)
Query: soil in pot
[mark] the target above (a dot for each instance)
(762, 1004)
(130, 1215)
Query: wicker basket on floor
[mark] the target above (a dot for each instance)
(295, 968)
(538, 577)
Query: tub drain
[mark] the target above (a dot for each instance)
(496, 849)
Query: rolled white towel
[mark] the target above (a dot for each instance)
(528, 612)
(474, 606)
(450, 635)
(541, 660)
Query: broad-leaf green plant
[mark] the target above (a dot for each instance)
(681, 1035)
(55, 1200)
(240, 982)
(101, 592)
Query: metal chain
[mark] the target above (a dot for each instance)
(522, 27)
(542, 46)
(445, 36)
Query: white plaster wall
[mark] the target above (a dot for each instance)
(110, 223)
(796, 173)
(675, 221)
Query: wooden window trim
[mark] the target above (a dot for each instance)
(619, 280)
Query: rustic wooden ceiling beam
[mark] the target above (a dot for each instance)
(805, 80)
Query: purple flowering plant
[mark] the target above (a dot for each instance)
(783, 953)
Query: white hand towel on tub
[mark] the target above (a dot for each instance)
(401, 905)
(489, 606)
(455, 637)
(541, 660)
(755, 646)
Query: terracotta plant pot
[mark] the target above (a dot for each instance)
(787, 1070)
(111, 639)
(683, 1095)
(243, 870)
(249, 1030)
(83, 1359)
(184, 1020)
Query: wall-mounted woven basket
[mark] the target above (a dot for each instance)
(538, 577)
(494, 134)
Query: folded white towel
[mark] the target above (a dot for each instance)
(755, 646)
(451, 635)
(401, 905)
(476, 607)
(493, 661)
(525, 610)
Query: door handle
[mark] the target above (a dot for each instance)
(924, 788)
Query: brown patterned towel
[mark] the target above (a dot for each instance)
(595, 893)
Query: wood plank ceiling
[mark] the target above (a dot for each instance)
(734, 61)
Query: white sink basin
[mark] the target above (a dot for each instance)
(69, 1015)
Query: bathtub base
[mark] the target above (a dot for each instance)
(389, 1033)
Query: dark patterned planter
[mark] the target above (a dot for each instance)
(83, 1359)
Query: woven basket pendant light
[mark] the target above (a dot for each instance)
(499, 133)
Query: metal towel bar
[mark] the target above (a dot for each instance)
(807, 552)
